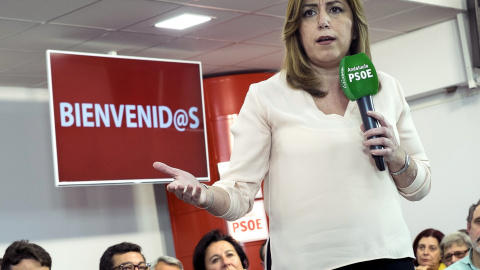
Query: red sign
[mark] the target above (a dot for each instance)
(113, 116)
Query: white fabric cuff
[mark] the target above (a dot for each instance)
(229, 187)
(420, 187)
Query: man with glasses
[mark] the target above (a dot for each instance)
(472, 261)
(123, 256)
(454, 247)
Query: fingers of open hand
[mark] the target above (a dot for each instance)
(181, 191)
(197, 195)
(162, 167)
(186, 193)
(176, 187)
(185, 186)
(177, 174)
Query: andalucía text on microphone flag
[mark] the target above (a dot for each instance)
(358, 76)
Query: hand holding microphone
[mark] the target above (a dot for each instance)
(359, 82)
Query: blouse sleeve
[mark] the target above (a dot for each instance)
(410, 142)
(250, 156)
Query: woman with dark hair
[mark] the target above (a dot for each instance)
(426, 247)
(217, 250)
(328, 205)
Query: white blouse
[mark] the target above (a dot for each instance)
(328, 204)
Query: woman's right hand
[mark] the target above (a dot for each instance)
(185, 186)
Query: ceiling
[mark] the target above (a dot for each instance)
(243, 37)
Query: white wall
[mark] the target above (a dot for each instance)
(449, 126)
(76, 224)
(426, 62)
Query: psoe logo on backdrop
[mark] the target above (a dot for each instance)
(136, 116)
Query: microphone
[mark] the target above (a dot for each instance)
(359, 82)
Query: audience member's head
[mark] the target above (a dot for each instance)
(24, 255)
(123, 256)
(262, 251)
(426, 248)
(473, 227)
(168, 263)
(454, 247)
(216, 250)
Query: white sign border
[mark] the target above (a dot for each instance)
(116, 182)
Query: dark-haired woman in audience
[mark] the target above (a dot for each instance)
(426, 247)
(217, 250)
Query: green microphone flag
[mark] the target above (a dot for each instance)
(358, 76)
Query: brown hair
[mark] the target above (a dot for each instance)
(426, 233)
(213, 236)
(23, 249)
(299, 73)
(471, 210)
(106, 261)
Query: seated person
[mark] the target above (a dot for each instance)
(168, 263)
(217, 250)
(426, 248)
(123, 256)
(454, 247)
(472, 261)
(24, 255)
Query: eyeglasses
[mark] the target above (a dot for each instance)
(458, 254)
(131, 266)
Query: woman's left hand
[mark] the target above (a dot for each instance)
(391, 152)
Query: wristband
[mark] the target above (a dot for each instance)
(405, 167)
(213, 199)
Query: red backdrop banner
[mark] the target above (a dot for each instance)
(113, 116)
